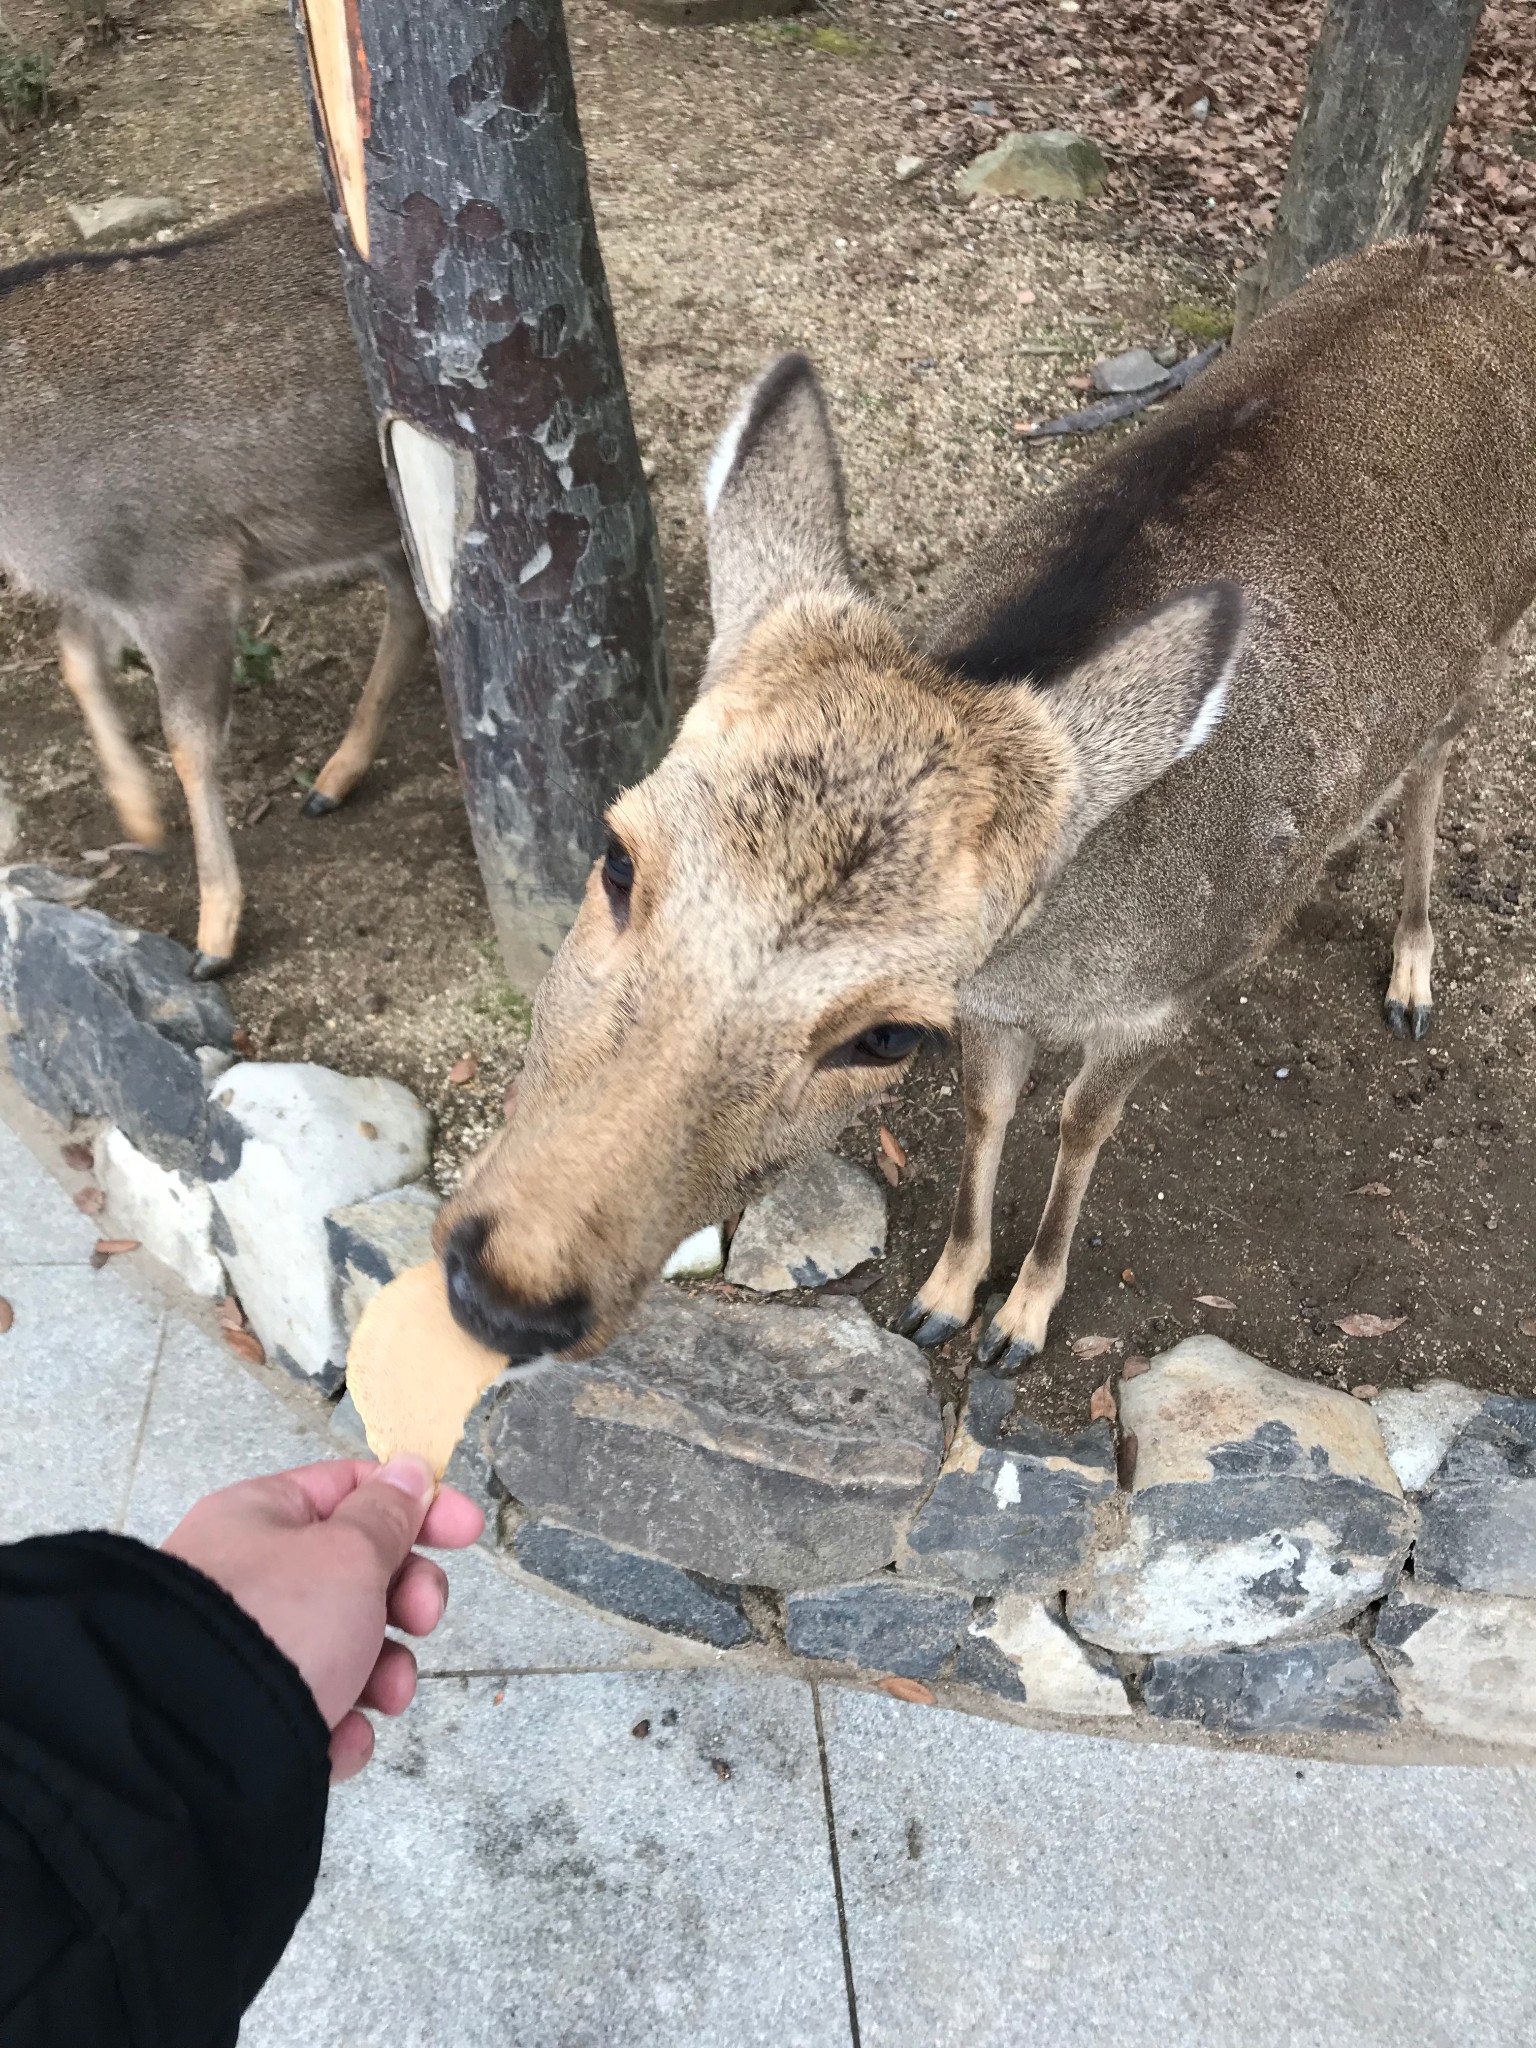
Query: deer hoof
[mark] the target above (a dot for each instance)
(1408, 1020)
(209, 966)
(1013, 1359)
(318, 805)
(934, 1329)
(1419, 1018)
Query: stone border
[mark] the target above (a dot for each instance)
(1247, 1554)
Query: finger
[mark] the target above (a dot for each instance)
(351, 1746)
(392, 1682)
(324, 1487)
(418, 1596)
(388, 1508)
(453, 1522)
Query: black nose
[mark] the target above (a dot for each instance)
(520, 1330)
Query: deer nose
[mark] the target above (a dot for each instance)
(519, 1330)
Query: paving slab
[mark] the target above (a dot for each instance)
(1007, 1888)
(39, 1224)
(534, 1875)
(75, 1370)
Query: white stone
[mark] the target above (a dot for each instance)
(699, 1257)
(169, 1214)
(1056, 1672)
(1418, 1426)
(311, 1141)
(909, 167)
(214, 1061)
(1465, 1663)
(124, 217)
(815, 1224)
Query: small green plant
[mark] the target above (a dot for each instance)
(25, 93)
(831, 42)
(500, 1003)
(255, 660)
(131, 659)
(1201, 323)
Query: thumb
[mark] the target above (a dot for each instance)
(390, 1507)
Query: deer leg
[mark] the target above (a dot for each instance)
(192, 654)
(1409, 1006)
(1090, 1112)
(995, 1060)
(400, 651)
(84, 662)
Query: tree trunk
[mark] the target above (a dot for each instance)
(450, 145)
(1381, 90)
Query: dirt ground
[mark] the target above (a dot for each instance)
(744, 185)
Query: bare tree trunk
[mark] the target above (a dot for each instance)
(449, 139)
(1381, 90)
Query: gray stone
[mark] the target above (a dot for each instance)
(1263, 1510)
(882, 1625)
(1015, 1511)
(641, 1588)
(1477, 1526)
(909, 167)
(766, 1445)
(103, 1021)
(1331, 1685)
(1010, 1887)
(48, 884)
(1464, 1663)
(170, 1213)
(1050, 163)
(293, 1145)
(814, 1225)
(124, 218)
(374, 1240)
(1021, 1648)
(1137, 370)
(1418, 1425)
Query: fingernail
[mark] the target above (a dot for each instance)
(411, 1474)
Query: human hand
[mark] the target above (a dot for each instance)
(322, 1558)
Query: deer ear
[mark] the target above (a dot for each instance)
(778, 523)
(1147, 696)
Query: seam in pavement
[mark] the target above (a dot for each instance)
(837, 1868)
(566, 1671)
(138, 1435)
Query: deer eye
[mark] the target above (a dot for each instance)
(883, 1045)
(618, 880)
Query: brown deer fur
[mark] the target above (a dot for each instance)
(1146, 715)
(180, 427)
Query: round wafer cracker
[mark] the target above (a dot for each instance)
(413, 1372)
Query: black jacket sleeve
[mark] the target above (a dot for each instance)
(163, 1773)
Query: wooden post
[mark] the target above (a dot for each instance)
(450, 145)
(1381, 90)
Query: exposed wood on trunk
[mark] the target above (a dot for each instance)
(477, 292)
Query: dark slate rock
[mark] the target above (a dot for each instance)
(761, 1444)
(374, 1240)
(1010, 1512)
(883, 1625)
(104, 1021)
(1331, 1686)
(1477, 1529)
(641, 1588)
(983, 1664)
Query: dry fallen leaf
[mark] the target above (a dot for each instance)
(1376, 1189)
(720, 1767)
(1102, 1407)
(110, 1247)
(1527, 1326)
(90, 1200)
(911, 1689)
(78, 1156)
(640, 1730)
(463, 1071)
(1134, 1366)
(231, 1314)
(1366, 1392)
(7, 1315)
(1091, 1347)
(893, 1149)
(246, 1345)
(1215, 1301)
(1128, 1277)
(1361, 1325)
(890, 1169)
(368, 1130)
(240, 1039)
(1125, 1461)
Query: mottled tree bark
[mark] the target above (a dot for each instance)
(1381, 90)
(452, 154)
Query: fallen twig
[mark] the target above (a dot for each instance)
(1108, 410)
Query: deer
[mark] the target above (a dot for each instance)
(1093, 792)
(182, 426)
